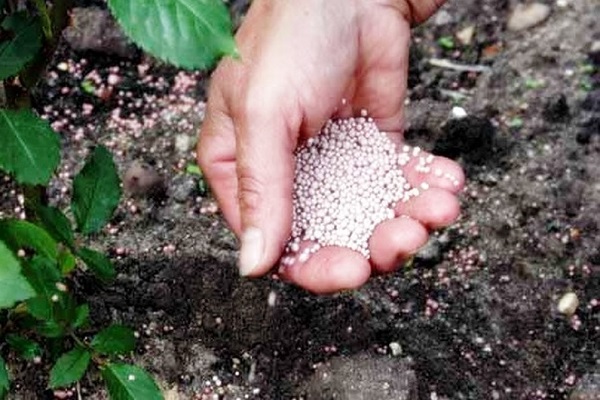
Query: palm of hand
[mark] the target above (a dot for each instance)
(293, 75)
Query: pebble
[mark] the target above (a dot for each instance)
(588, 387)
(465, 35)
(568, 303)
(525, 16)
(184, 143)
(458, 112)
(442, 17)
(395, 348)
(142, 180)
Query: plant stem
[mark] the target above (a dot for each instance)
(16, 96)
(45, 16)
(59, 18)
(89, 348)
(35, 196)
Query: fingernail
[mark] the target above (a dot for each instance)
(251, 254)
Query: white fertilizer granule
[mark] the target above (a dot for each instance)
(348, 180)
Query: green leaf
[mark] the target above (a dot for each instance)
(98, 263)
(42, 274)
(18, 234)
(446, 42)
(88, 86)
(57, 224)
(82, 315)
(96, 191)
(69, 368)
(13, 285)
(24, 43)
(4, 380)
(30, 148)
(67, 262)
(56, 308)
(40, 308)
(26, 348)
(50, 329)
(187, 33)
(116, 339)
(516, 122)
(129, 382)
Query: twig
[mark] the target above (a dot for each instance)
(78, 388)
(455, 95)
(445, 63)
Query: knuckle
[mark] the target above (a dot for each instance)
(203, 157)
(251, 191)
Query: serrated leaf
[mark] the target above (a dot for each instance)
(26, 348)
(24, 43)
(187, 33)
(13, 285)
(30, 148)
(57, 224)
(98, 263)
(4, 380)
(19, 234)
(116, 339)
(129, 382)
(82, 315)
(96, 191)
(69, 368)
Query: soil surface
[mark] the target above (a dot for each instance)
(474, 316)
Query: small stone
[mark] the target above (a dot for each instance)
(395, 348)
(95, 29)
(184, 143)
(142, 180)
(172, 394)
(182, 188)
(588, 387)
(465, 35)
(442, 17)
(458, 112)
(568, 303)
(525, 16)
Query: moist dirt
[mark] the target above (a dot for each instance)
(473, 316)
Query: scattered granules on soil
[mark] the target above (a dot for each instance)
(348, 180)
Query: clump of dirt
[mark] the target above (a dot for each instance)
(473, 317)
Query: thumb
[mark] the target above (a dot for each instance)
(265, 167)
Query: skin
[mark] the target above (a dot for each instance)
(299, 59)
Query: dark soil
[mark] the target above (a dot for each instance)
(474, 316)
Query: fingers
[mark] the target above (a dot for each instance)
(382, 78)
(395, 240)
(329, 270)
(442, 173)
(434, 208)
(216, 157)
(417, 11)
(266, 141)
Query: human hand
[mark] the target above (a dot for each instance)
(299, 59)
